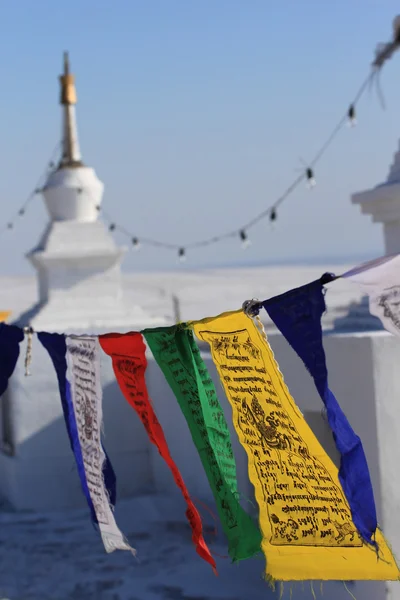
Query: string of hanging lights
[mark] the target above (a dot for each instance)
(36, 190)
(271, 212)
(382, 54)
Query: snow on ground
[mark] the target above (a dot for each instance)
(60, 556)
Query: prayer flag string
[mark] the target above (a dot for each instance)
(308, 531)
(315, 522)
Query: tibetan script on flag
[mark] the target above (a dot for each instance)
(85, 398)
(179, 358)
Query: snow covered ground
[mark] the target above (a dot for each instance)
(59, 556)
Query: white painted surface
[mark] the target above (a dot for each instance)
(78, 269)
(386, 356)
(72, 194)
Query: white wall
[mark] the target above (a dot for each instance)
(386, 363)
(363, 372)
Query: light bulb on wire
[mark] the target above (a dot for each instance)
(245, 240)
(310, 178)
(351, 115)
(135, 243)
(273, 217)
(181, 255)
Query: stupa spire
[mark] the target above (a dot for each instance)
(71, 155)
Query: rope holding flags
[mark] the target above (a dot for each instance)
(315, 522)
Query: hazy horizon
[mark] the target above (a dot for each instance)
(187, 266)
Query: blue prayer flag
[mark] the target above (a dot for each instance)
(297, 314)
(10, 338)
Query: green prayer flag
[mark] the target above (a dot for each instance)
(178, 356)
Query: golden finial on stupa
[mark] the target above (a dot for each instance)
(68, 91)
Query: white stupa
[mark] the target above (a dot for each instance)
(383, 204)
(77, 261)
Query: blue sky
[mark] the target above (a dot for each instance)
(195, 113)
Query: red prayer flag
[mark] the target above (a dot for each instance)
(129, 363)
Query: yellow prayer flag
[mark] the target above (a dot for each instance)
(4, 314)
(305, 519)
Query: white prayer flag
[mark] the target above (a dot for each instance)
(380, 279)
(83, 374)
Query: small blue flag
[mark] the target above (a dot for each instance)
(10, 338)
(297, 314)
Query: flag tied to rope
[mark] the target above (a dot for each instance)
(178, 356)
(297, 314)
(10, 339)
(77, 364)
(306, 522)
(380, 279)
(129, 363)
